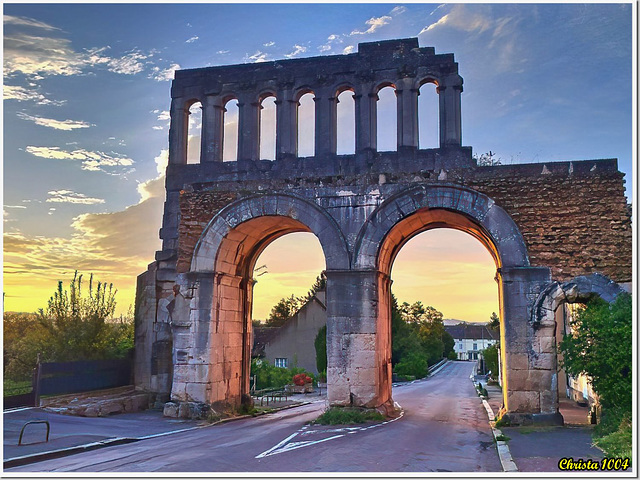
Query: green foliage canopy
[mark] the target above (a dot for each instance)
(600, 347)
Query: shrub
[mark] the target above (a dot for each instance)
(270, 376)
(600, 347)
(348, 416)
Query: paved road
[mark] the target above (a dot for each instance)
(444, 428)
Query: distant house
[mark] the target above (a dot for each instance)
(471, 339)
(292, 344)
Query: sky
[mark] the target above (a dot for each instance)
(87, 93)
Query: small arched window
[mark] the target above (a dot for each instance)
(230, 138)
(268, 128)
(194, 133)
(428, 116)
(387, 119)
(346, 123)
(306, 120)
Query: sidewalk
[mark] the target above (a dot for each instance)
(70, 431)
(539, 449)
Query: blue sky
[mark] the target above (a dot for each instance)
(86, 95)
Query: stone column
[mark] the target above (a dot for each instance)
(212, 129)
(450, 111)
(286, 125)
(530, 377)
(209, 343)
(178, 132)
(326, 122)
(407, 113)
(358, 339)
(248, 127)
(366, 121)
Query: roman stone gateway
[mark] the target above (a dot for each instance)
(544, 224)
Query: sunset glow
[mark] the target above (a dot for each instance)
(87, 93)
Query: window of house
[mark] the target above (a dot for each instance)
(281, 362)
(475, 346)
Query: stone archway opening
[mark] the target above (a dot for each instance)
(232, 302)
(421, 221)
(551, 315)
(452, 272)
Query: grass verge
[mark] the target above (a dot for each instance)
(348, 416)
(614, 435)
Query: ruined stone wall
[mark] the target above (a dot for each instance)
(573, 215)
(196, 210)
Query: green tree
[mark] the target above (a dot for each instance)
(320, 343)
(75, 321)
(449, 343)
(77, 324)
(487, 159)
(283, 311)
(600, 346)
(490, 355)
(494, 321)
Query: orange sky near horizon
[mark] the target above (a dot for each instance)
(444, 268)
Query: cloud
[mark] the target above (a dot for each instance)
(115, 246)
(256, 57)
(27, 22)
(22, 94)
(398, 10)
(163, 115)
(69, 196)
(192, 39)
(38, 56)
(269, 44)
(349, 49)
(165, 75)
(155, 187)
(93, 161)
(127, 65)
(222, 52)
(297, 50)
(374, 24)
(56, 124)
(462, 18)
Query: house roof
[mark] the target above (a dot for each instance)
(471, 332)
(262, 335)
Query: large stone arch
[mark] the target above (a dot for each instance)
(526, 384)
(212, 325)
(476, 213)
(315, 219)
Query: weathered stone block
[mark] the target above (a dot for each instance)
(523, 402)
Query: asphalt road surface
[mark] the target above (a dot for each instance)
(444, 428)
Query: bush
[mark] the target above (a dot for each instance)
(320, 344)
(414, 364)
(76, 325)
(452, 355)
(490, 355)
(348, 416)
(270, 376)
(600, 347)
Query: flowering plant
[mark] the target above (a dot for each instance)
(301, 378)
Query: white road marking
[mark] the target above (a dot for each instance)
(17, 409)
(286, 445)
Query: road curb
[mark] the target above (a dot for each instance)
(112, 442)
(506, 460)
